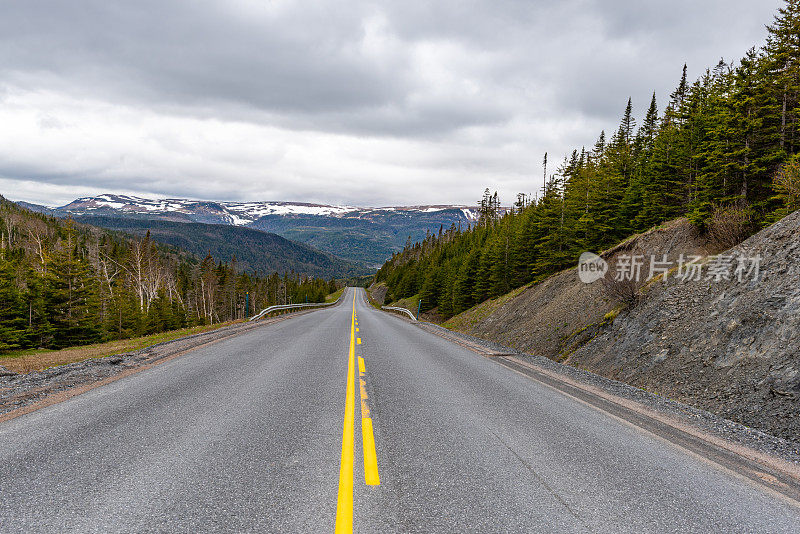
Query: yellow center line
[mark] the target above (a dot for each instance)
(344, 504)
(367, 435)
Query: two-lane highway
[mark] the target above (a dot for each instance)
(349, 417)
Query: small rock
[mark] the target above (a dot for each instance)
(6, 372)
(114, 360)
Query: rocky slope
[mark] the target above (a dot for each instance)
(728, 346)
(553, 317)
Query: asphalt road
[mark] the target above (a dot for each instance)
(250, 434)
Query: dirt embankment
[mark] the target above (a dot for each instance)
(730, 347)
(377, 292)
(556, 316)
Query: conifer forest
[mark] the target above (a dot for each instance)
(722, 150)
(64, 284)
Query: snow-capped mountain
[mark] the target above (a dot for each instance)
(368, 235)
(236, 213)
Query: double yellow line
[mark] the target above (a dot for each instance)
(344, 505)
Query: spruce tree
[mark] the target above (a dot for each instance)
(70, 297)
(13, 325)
(782, 61)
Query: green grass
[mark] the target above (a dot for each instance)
(410, 303)
(610, 316)
(370, 299)
(333, 297)
(24, 352)
(471, 317)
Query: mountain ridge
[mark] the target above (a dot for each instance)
(255, 251)
(237, 212)
(358, 234)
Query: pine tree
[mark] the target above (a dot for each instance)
(465, 282)
(12, 309)
(552, 251)
(641, 177)
(782, 54)
(616, 175)
(70, 296)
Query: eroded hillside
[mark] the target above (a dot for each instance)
(554, 316)
(728, 346)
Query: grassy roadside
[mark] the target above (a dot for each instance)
(25, 361)
(333, 297)
(372, 301)
(410, 303)
(380, 286)
(469, 318)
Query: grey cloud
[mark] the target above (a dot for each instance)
(453, 75)
(196, 53)
(304, 65)
(304, 62)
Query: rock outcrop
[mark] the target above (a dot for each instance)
(730, 346)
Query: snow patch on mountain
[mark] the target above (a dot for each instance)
(237, 213)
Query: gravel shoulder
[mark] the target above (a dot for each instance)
(23, 393)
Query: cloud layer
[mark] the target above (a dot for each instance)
(361, 102)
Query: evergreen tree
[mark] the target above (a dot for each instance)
(717, 145)
(70, 296)
(782, 61)
(65, 284)
(12, 310)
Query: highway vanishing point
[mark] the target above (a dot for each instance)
(353, 419)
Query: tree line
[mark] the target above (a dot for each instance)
(65, 284)
(724, 152)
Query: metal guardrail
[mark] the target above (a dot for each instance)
(400, 310)
(277, 307)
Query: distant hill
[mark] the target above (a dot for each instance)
(36, 208)
(255, 251)
(367, 235)
(371, 237)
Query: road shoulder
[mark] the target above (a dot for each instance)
(761, 458)
(24, 393)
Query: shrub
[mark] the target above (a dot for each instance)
(786, 184)
(730, 225)
(625, 292)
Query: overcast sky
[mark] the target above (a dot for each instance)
(364, 103)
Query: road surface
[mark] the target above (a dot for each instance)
(258, 433)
